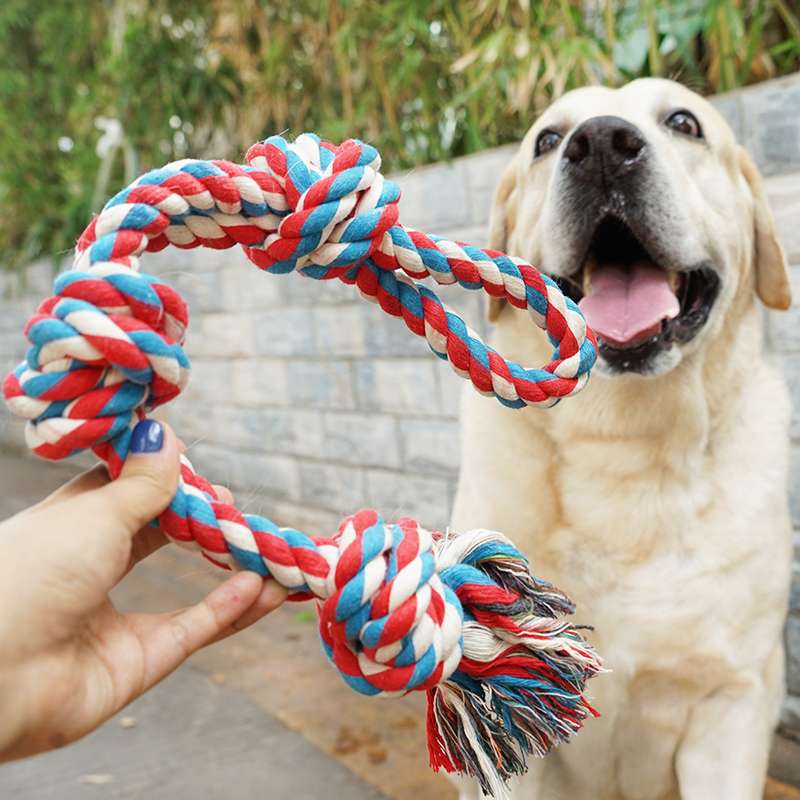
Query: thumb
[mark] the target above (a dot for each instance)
(149, 477)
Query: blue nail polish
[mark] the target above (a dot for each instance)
(147, 437)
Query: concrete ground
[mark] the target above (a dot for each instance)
(260, 714)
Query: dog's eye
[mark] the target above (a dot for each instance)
(547, 140)
(684, 122)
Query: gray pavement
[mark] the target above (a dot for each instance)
(187, 739)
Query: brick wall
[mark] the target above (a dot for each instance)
(310, 402)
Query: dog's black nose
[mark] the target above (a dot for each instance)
(604, 147)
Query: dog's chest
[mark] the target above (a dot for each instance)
(665, 556)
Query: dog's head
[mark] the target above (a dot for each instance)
(639, 202)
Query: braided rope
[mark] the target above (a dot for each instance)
(401, 608)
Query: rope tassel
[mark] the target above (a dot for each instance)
(400, 608)
(519, 687)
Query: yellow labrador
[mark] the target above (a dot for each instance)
(657, 497)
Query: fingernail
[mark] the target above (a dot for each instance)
(147, 437)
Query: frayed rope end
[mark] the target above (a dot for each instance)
(518, 689)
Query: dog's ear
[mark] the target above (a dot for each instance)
(772, 274)
(502, 221)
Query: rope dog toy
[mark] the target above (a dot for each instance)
(400, 607)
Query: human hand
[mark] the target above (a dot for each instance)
(68, 659)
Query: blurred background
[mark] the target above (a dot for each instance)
(308, 402)
(101, 91)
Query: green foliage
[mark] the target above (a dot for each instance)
(65, 67)
(95, 92)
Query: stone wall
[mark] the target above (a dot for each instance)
(311, 403)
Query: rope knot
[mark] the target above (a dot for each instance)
(339, 205)
(390, 625)
(105, 348)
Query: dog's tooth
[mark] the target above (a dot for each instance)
(674, 280)
(588, 269)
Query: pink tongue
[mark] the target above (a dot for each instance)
(624, 307)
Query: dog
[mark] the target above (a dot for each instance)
(657, 497)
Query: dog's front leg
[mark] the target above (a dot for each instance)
(724, 751)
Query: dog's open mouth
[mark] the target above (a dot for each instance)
(636, 307)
